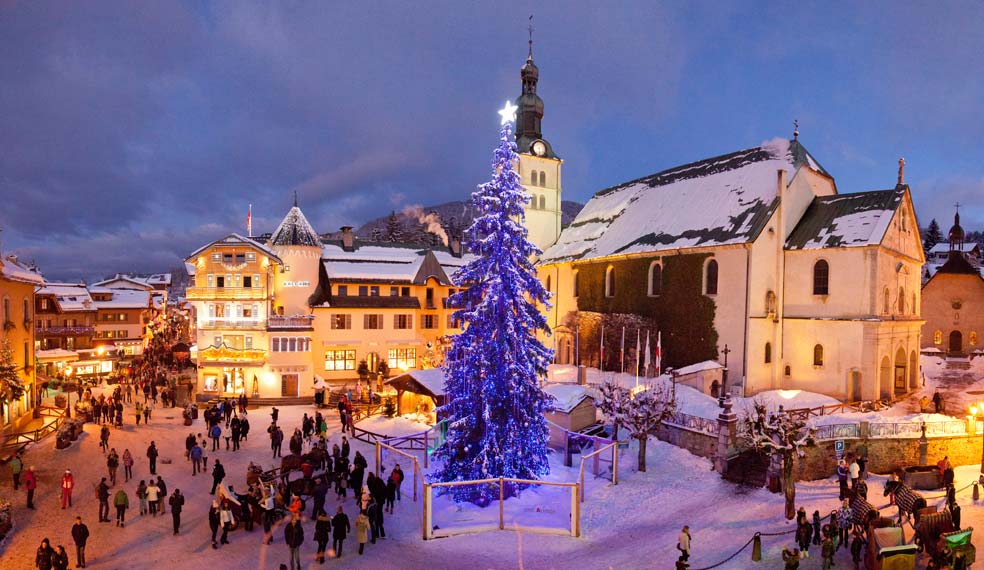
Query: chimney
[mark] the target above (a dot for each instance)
(347, 239)
(454, 242)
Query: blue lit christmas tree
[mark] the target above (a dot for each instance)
(494, 405)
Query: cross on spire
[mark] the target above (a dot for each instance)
(796, 129)
(957, 206)
(530, 28)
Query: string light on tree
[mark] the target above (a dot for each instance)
(494, 403)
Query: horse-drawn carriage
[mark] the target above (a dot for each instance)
(935, 533)
(887, 549)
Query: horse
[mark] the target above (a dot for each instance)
(908, 501)
(862, 512)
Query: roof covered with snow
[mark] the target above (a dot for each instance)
(120, 298)
(846, 220)
(717, 201)
(14, 270)
(233, 240)
(295, 230)
(69, 296)
(383, 262)
(699, 367)
(567, 396)
(944, 247)
(431, 379)
(123, 281)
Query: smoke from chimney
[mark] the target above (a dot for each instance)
(431, 220)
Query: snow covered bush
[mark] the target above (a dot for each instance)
(780, 436)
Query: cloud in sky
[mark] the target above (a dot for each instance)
(134, 132)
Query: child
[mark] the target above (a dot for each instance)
(827, 553)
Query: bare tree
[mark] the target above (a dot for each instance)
(782, 437)
(644, 412)
(613, 401)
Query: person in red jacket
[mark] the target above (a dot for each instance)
(67, 484)
(30, 483)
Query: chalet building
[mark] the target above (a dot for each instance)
(275, 312)
(17, 285)
(122, 316)
(953, 301)
(158, 284)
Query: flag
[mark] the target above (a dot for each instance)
(622, 348)
(638, 335)
(249, 222)
(649, 360)
(659, 352)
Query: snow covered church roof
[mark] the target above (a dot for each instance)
(846, 220)
(295, 230)
(722, 200)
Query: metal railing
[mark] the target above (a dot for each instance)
(695, 423)
(81, 330)
(838, 431)
(231, 324)
(205, 293)
(292, 322)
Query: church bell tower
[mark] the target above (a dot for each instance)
(539, 167)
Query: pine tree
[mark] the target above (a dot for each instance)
(394, 229)
(10, 384)
(782, 437)
(494, 405)
(933, 236)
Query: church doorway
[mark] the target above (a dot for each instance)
(900, 375)
(885, 378)
(854, 388)
(956, 342)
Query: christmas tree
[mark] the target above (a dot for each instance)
(494, 405)
(10, 385)
(933, 236)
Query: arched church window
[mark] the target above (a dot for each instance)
(576, 285)
(711, 278)
(655, 279)
(543, 202)
(818, 355)
(543, 179)
(768, 353)
(610, 282)
(901, 301)
(821, 278)
(533, 177)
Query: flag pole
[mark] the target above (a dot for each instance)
(622, 350)
(638, 333)
(601, 351)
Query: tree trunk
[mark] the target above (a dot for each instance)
(615, 430)
(789, 485)
(642, 453)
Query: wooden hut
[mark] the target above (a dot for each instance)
(419, 391)
(573, 410)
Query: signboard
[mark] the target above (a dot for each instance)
(839, 449)
(296, 284)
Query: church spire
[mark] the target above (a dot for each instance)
(530, 108)
(956, 235)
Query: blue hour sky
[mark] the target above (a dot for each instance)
(133, 132)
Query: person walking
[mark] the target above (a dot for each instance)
(390, 493)
(127, 465)
(153, 495)
(854, 470)
(112, 465)
(362, 530)
(15, 470)
(214, 521)
(162, 486)
(294, 537)
(340, 528)
(44, 558)
(196, 459)
(937, 401)
(276, 439)
(177, 501)
(268, 505)
(60, 559)
(225, 517)
(397, 476)
(152, 456)
(215, 432)
(102, 493)
(122, 502)
(683, 543)
(67, 484)
(30, 483)
(142, 497)
(104, 438)
(322, 534)
(218, 474)
(80, 535)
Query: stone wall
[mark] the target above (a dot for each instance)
(890, 454)
(698, 443)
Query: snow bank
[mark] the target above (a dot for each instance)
(393, 427)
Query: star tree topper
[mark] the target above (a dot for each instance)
(508, 113)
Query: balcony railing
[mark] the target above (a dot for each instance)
(208, 293)
(225, 354)
(64, 331)
(238, 324)
(293, 322)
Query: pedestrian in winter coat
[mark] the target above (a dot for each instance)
(153, 496)
(857, 546)
(362, 530)
(15, 470)
(163, 495)
(215, 433)
(80, 535)
(121, 501)
(67, 484)
(683, 543)
(390, 494)
(30, 483)
(112, 464)
(844, 516)
(322, 534)
(60, 559)
(854, 470)
(142, 497)
(791, 557)
(214, 521)
(152, 456)
(827, 553)
(345, 447)
(803, 533)
(218, 474)
(842, 475)
(127, 465)
(177, 501)
(225, 517)
(816, 527)
(102, 493)
(294, 537)
(340, 528)
(43, 559)
(397, 476)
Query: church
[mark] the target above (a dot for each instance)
(753, 257)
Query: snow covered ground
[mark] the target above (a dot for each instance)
(633, 525)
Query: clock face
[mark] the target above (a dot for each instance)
(539, 148)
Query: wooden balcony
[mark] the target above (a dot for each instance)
(234, 324)
(225, 293)
(81, 330)
(291, 323)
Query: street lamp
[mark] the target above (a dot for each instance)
(976, 411)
